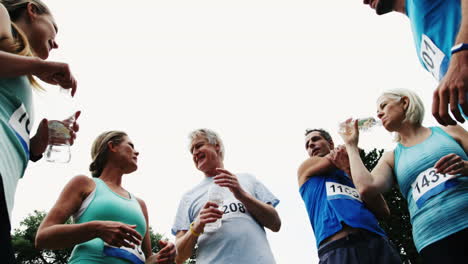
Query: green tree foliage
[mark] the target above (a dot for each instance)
(23, 243)
(398, 225)
(25, 252)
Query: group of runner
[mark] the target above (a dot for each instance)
(343, 199)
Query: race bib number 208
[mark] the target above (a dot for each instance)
(430, 183)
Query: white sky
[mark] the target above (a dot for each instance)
(258, 72)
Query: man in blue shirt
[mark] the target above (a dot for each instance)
(440, 31)
(346, 231)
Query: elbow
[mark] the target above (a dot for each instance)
(367, 192)
(39, 242)
(276, 225)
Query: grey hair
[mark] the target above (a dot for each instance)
(211, 136)
(414, 114)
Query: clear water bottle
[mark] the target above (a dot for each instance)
(364, 124)
(216, 194)
(58, 149)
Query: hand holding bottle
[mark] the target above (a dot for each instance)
(61, 135)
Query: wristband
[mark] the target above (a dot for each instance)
(459, 47)
(193, 231)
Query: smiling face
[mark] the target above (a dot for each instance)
(381, 6)
(41, 35)
(317, 145)
(206, 156)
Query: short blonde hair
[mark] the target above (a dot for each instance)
(211, 136)
(99, 150)
(414, 114)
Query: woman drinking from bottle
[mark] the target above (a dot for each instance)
(110, 223)
(27, 35)
(430, 166)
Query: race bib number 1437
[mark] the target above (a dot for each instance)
(430, 183)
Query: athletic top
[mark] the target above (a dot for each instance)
(437, 203)
(331, 199)
(103, 204)
(16, 119)
(435, 25)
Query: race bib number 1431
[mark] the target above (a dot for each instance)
(430, 183)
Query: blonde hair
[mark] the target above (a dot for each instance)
(414, 114)
(99, 150)
(20, 44)
(211, 136)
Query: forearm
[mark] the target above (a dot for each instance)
(362, 178)
(462, 36)
(65, 235)
(264, 213)
(312, 167)
(185, 245)
(12, 65)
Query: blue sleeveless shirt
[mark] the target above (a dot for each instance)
(437, 203)
(332, 200)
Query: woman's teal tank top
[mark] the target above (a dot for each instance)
(106, 205)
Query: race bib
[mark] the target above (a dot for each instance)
(430, 183)
(134, 255)
(21, 124)
(431, 56)
(232, 208)
(340, 191)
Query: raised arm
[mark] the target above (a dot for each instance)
(453, 88)
(375, 203)
(13, 65)
(368, 184)
(54, 234)
(311, 167)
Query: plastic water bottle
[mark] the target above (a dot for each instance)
(58, 149)
(216, 194)
(364, 124)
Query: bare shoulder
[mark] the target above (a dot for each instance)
(5, 23)
(143, 206)
(81, 183)
(457, 132)
(388, 158)
(142, 203)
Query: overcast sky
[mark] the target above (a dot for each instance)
(258, 72)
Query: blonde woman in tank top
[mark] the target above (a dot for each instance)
(430, 166)
(27, 35)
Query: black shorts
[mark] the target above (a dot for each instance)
(452, 249)
(6, 250)
(363, 247)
